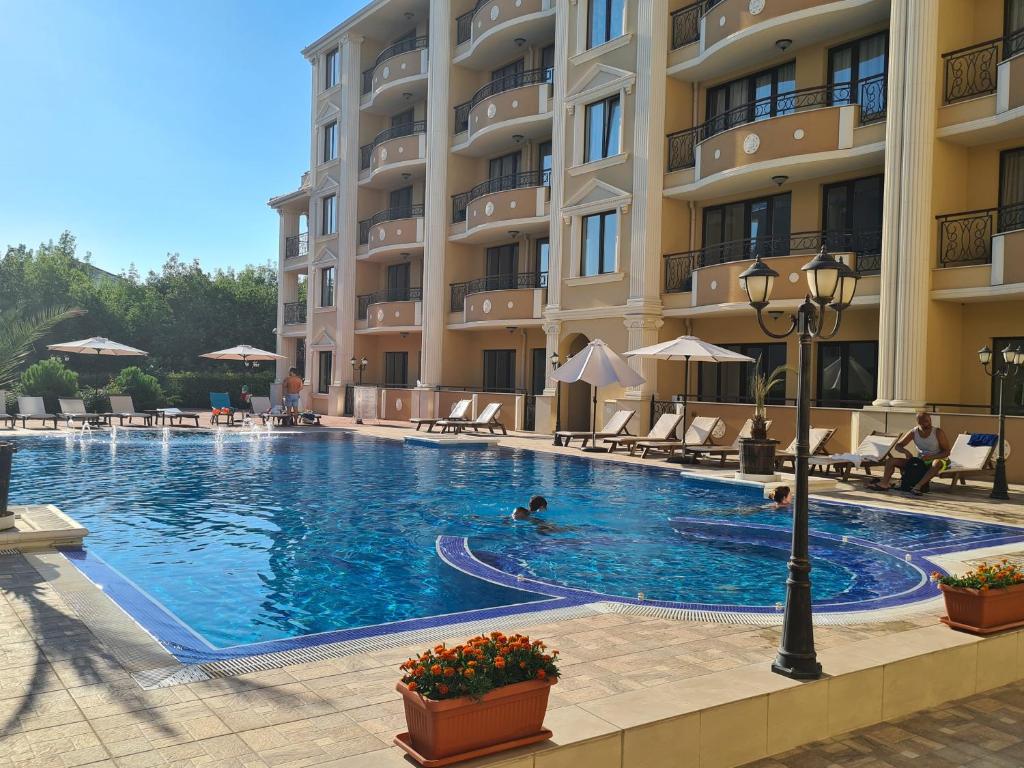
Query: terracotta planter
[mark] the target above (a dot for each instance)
(984, 612)
(445, 732)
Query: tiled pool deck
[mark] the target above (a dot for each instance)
(67, 698)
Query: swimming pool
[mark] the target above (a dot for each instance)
(220, 543)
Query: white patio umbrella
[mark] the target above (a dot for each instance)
(687, 348)
(242, 352)
(97, 345)
(598, 366)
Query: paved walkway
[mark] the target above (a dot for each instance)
(984, 731)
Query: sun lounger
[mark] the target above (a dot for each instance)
(261, 407)
(872, 452)
(488, 419)
(664, 430)
(966, 460)
(457, 413)
(615, 426)
(5, 417)
(699, 432)
(219, 401)
(818, 438)
(32, 409)
(170, 415)
(723, 452)
(72, 410)
(122, 407)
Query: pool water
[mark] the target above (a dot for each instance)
(248, 539)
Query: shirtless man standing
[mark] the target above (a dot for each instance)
(292, 388)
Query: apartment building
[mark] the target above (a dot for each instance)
(492, 184)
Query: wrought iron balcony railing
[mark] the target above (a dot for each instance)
(389, 294)
(686, 22)
(499, 184)
(402, 46)
(388, 214)
(973, 71)
(394, 132)
(866, 243)
(464, 23)
(869, 93)
(506, 282)
(295, 313)
(296, 246)
(500, 85)
(966, 238)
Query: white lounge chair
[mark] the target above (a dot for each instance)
(817, 441)
(457, 413)
(615, 426)
(723, 452)
(966, 460)
(4, 415)
(32, 409)
(123, 407)
(72, 410)
(487, 419)
(664, 430)
(261, 407)
(699, 432)
(872, 452)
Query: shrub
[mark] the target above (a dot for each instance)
(145, 390)
(478, 665)
(985, 577)
(191, 389)
(50, 380)
(94, 400)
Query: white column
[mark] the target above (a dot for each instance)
(643, 332)
(556, 241)
(436, 205)
(552, 335)
(283, 228)
(348, 193)
(907, 223)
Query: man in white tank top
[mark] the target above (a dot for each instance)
(932, 447)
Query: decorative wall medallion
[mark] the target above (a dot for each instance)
(714, 285)
(404, 65)
(751, 143)
(398, 232)
(386, 72)
(489, 209)
(755, 7)
(380, 315)
(798, 134)
(512, 204)
(398, 314)
(381, 233)
(383, 154)
(486, 306)
(491, 111)
(718, 154)
(495, 12)
(721, 21)
(398, 404)
(511, 305)
(519, 3)
(794, 277)
(401, 150)
(515, 103)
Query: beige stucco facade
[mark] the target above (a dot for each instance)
(496, 100)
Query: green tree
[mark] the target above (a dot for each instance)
(19, 335)
(50, 380)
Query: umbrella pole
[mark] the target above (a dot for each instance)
(682, 457)
(594, 447)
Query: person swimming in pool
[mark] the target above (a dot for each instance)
(782, 497)
(538, 504)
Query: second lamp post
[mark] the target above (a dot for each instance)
(1013, 360)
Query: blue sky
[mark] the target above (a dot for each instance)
(147, 127)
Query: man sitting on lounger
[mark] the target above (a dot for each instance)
(932, 448)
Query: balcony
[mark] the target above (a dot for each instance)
(980, 250)
(711, 38)
(801, 131)
(295, 313)
(862, 249)
(398, 70)
(486, 212)
(391, 310)
(486, 35)
(395, 154)
(983, 91)
(391, 231)
(500, 299)
(296, 247)
(511, 106)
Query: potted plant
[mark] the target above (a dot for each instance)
(988, 599)
(485, 695)
(757, 452)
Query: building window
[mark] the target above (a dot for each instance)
(605, 21)
(328, 216)
(852, 219)
(499, 370)
(1013, 394)
(300, 357)
(541, 260)
(1013, 22)
(737, 230)
(603, 129)
(327, 287)
(323, 375)
(755, 97)
(330, 69)
(847, 373)
(1011, 189)
(501, 265)
(396, 369)
(854, 67)
(600, 238)
(330, 149)
(731, 382)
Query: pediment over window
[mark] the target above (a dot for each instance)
(600, 80)
(328, 111)
(323, 339)
(596, 195)
(326, 185)
(325, 256)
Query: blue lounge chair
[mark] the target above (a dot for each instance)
(219, 401)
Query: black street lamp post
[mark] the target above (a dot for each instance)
(555, 362)
(1013, 360)
(831, 283)
(361, 365)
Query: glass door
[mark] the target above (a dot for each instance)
(1011, 189)
(398, 282)
(856, 73)
(501, 267)
(502, 172)
(400, 201)
(1013, 28)
(396, 369)
(852, 219)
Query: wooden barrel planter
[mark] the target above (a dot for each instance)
(757, 458)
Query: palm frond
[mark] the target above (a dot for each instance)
(18, 336)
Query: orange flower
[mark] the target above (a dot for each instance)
(435, 669)
(522, 665)
(541, 674)
(419, 671)
(499, 662)
(471, 664)
(470, 673)
(413, 686)
(442, 688)
(449, 672)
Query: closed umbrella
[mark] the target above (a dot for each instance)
(687, 348)
(598, 366)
